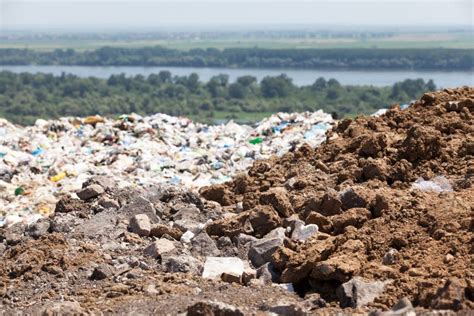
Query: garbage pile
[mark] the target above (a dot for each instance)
(41, 163)
(382, 210)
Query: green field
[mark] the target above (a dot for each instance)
(429, 40)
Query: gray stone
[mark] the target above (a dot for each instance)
(159, 247)
(103, 271)
(242, 239)
(268, 274)
(261, 251)
(203, 245)
(140, 224)
(188, 224)
(359, 292)
(106, 202)
(106, 182)
(278, 232)
(290, 309)
(213, 309)
(39, 228)
(181, 263)
(90, 192)
(402, 308)
(6, 175)
(248, 275)
(140, 205)
(63, 308)
(224, 242)
(390, 257)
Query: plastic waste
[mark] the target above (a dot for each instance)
(58, 177)
(53, 158)
(256, 140)
(438, 184)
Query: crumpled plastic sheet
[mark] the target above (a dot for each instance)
(438, 184)
(53, 158)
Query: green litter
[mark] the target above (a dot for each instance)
(19, 191)
(255, 141)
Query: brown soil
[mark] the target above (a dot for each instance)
(357, 188)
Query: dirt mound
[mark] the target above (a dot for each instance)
(357, 187)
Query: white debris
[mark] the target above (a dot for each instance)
(437, 184)
(187, 237)
(40, 163)
(303, 232)
(215, 266)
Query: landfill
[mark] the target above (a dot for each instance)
(376, 219)
(40, 163)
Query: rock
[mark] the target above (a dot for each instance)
(258, 221)
(5, 175)
(141, 205)
(107, 183)
(390, 257)
(402, 308)
(224, 242)
(102, 272)
(289, 309)
(159, 247)
(181, 263)
(268, 274)
(450, 296)
(204, 245)
(90, 192)
(261, 251)
(359, 292)
(276, 233)
(63, 308)
(243, 239)
(213, 309)
(303, 232)
(215, 266)
(352, 199)
(159, 230)
(248, 275)
(188, 225)
(140, 224)
(277, 197)
(39, 228)
(231, 278)
(107, 203)
(187, 237)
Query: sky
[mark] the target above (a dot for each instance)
(134, 14)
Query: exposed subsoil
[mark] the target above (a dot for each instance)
(357, 187)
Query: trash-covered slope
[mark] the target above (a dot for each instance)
(392, 197)
(41, 163)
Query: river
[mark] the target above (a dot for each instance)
(300, 77)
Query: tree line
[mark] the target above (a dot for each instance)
(25, 97)
(420, 59)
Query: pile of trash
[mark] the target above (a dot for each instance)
(40, 163)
